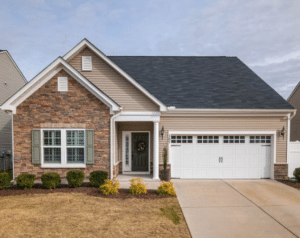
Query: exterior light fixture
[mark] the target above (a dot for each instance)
(162, 132)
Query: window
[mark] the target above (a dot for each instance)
(127, 149)
(75, 146)
(87, 63)
(52, 147)
(63, 147)
(181, 139)
(234, 139)
(207, 139)
(260, 139)
(62, 84)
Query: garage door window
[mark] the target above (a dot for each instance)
(234, 139)
(182, 139)
(208, 139)
(260, 139)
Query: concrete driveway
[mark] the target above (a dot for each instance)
(239, 208)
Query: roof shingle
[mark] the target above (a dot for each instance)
(201, 82)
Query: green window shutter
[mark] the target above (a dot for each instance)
(36, 147)
(89, 138)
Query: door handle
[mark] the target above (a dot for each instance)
(221, 159)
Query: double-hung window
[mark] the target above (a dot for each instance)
(63, 148)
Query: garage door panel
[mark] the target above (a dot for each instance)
(201, 157)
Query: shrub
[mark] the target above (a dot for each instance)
(75, 178)
(26, 181)
(297, 174)
(97, 178)
(110, 187)
(9, 172)
(4, 180)
(50, 180)
(137, 186)
(166, 188)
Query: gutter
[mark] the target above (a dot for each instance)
(112, 143)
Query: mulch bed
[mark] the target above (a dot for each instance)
(85, 188)
(290, 183)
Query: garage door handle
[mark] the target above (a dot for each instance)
(175, 145)
(265, 145)
(220, 159)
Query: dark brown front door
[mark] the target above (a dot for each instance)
(140, 152)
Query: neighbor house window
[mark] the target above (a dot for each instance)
(64, 146)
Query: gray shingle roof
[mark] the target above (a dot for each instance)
(201, 82)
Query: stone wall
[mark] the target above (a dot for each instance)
(49, 108)
(281, 171)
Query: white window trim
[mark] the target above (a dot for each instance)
(129, 133)
(82, 64)
(63, 147)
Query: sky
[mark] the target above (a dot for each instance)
(264, 34)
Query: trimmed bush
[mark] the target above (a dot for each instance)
(137, 186)
(4, 180)
(97, 178)
(9, 172)
(166, 188)
(75, 178)
(297, 174)
(110, 187)
(26, 181)
(50, 180)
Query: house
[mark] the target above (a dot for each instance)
(294, 100)
(86, 110)
(11, 80)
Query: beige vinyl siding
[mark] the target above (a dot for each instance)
(14, 81)
(226, 124)
(295, 122)
(10, 75)
(113, 84)
(134, 126)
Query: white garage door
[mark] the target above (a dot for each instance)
(226, 156)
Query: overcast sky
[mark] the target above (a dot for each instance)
(264, 34)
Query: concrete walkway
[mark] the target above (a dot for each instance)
(239, 208)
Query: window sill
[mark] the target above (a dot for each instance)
(65, 166)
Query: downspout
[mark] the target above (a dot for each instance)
(112, 143)
(13, 146)
(290, 117)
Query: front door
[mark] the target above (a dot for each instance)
(140, 152)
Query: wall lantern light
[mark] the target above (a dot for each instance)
(162, 132)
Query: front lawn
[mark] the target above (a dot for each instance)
(80, 215)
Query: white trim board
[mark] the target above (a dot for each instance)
(49, 72)
(223, 132)
(86, 43)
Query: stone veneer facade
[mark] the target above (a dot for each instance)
(48, 108)
(281, 171)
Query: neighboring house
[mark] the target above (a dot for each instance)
(11, 80)
(90, 111)
(294, 100)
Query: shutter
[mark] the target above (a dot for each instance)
(89, 138)
(36, 147)
(86, 62)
